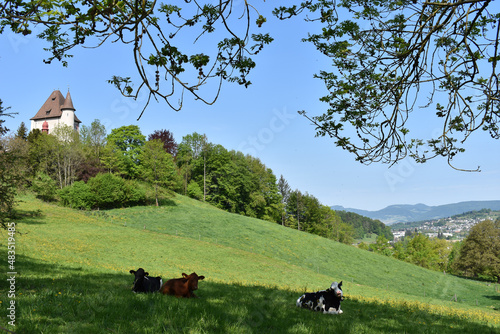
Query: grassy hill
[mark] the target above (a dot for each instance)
(72, 277)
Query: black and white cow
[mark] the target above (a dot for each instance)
(326, 301)
(144, 283)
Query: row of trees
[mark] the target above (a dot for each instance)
(69, 167)
(476, 256)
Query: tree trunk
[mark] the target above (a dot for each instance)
(204, 177)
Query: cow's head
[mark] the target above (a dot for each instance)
(337, 289)
(192, 280)
(140, 273)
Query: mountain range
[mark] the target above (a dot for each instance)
(402, 213)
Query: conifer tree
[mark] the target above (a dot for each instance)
(22, 131)
(8, 177)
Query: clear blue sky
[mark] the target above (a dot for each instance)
(260, 120)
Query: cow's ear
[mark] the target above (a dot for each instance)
(201, 277)
(132, 271)
(146, 274)
(340, 284)
(184, 275)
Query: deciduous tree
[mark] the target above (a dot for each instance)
(127, 143)
(284, 190)
(381, 246)
(167, 138)
(68, 154)
(157, 166)
(480, 252)
(189, 150)
(94, 138)
(42, 150)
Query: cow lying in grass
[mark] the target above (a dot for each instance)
(144, 283)
(182, 287)
(326, 301)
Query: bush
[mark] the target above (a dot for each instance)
(134, 194)
(104, 191)
(44, 187)
(194, 190)
(108, 190)
(111, 191)
(77, 196)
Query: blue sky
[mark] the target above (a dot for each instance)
(260, 120)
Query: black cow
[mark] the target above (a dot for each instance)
(144, 283)
(326, 301)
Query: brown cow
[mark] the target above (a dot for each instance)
(182, 287)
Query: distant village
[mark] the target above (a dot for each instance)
(453, 228)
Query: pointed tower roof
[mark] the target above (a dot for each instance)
(54, 106)
(68, 103)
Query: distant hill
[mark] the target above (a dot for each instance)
(407, 212)
(364, 225)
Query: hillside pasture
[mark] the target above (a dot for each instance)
(73, 277)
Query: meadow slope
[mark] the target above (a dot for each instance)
(73, 277)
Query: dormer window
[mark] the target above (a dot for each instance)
(48, 112)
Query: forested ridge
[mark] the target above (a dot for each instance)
(364, 225)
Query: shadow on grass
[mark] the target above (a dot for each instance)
(53, 298)
(167, 202)
(491, 280)
(30, 217)
(104, 213)
(497, 297)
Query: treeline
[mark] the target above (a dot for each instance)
(476, 256)
(96, 170)
(364, 226)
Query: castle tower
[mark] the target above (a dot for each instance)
(68, 113)
(56, 111)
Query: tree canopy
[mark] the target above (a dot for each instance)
(390, 59)
(125, 144)
(480, 253)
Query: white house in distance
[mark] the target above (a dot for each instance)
(56, 111)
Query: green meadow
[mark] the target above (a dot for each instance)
(73, 277)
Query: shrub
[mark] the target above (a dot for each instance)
(108, 190)
(134, 194)
(194, 190)
(77, 196)
(44, 187)
(104, 191)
